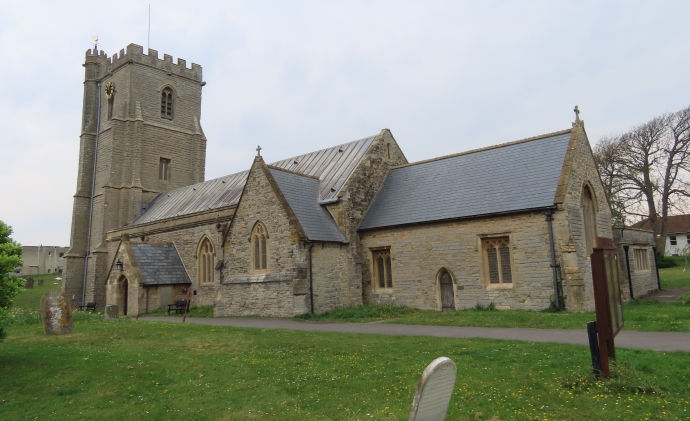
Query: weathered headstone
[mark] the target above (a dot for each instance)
(29, 283)
(40, 282)
(434, 390)
(56, 313)
(112, 313)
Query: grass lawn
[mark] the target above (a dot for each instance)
(31, 298)
(148, 370)
(674, 277)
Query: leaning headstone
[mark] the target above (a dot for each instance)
(434, 391)
(112, 313)
(29, 284)
(40, 282)
(56, 313)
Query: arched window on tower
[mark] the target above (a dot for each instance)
(589, 219)
(205, 262)
(259, 247)
(167, 104)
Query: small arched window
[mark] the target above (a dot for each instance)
(205, 261)
(259, 247)
(589, 219)
(167, 103)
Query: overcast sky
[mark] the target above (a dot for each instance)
(297, 76)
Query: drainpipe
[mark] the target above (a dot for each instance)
(627, 265)
(656, 265)
(549, 220)
(93, 189)
(311, 284)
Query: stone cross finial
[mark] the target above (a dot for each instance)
(577, 113)
(258, 150)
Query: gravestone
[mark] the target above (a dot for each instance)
(434, 390)
(112, 313)
(40, 282)
(56, 313)
(29, 283)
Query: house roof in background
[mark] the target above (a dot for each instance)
(504, 178)
(676, 224)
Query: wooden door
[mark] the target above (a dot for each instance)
(447, 296)
(125, 294)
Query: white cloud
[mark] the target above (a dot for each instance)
(303, 75)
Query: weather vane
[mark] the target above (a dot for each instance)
(95, 42)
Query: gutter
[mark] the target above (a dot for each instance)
(93, 189)
(311, 283)
(627, 265)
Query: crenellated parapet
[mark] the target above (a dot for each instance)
(135, 54)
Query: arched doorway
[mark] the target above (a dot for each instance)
(447, 295)
(123, 292)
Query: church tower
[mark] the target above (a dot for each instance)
(140, 136)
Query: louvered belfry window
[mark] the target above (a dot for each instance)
(383, 273)
(205, 261)
(497, 257)
(167, 104)
(259, 247)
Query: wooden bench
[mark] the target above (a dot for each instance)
(89, 307)
(180, 306)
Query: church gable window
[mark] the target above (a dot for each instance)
(167, 104)
(497, 266)
(259, 248)
(205, 262)
(382, 274)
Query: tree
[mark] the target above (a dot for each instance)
(10, 258)
(645, 171)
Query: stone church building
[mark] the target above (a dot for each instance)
(349, 224)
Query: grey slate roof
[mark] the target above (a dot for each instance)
(333, 166)
(160, 264)
(302, 194)
(507, 178)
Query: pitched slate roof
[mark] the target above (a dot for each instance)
(302, 194)
(160, 264)
(506, 178)
(676, 224)
(332, 166)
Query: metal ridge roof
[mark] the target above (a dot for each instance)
(332, 166)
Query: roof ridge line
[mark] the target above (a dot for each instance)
(486, 148)
(325, 149)
(292, 172)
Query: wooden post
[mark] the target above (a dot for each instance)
(189, 296)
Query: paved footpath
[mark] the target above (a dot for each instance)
(658, 341)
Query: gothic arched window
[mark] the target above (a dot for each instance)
(259, 247)
(589, 219)
(205, 262)
(167, 103)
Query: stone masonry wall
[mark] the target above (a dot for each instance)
(187, 242)
(348, 212)
(331, 266)
(419, 252)
(643, 281)
(270, 292)
(569, 232)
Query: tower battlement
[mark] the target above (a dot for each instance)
(134, 53)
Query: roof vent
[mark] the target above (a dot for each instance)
(168, 195)
(332, 189)
(223, 181)
(194, 188)
(295, 162)
(340, 149)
